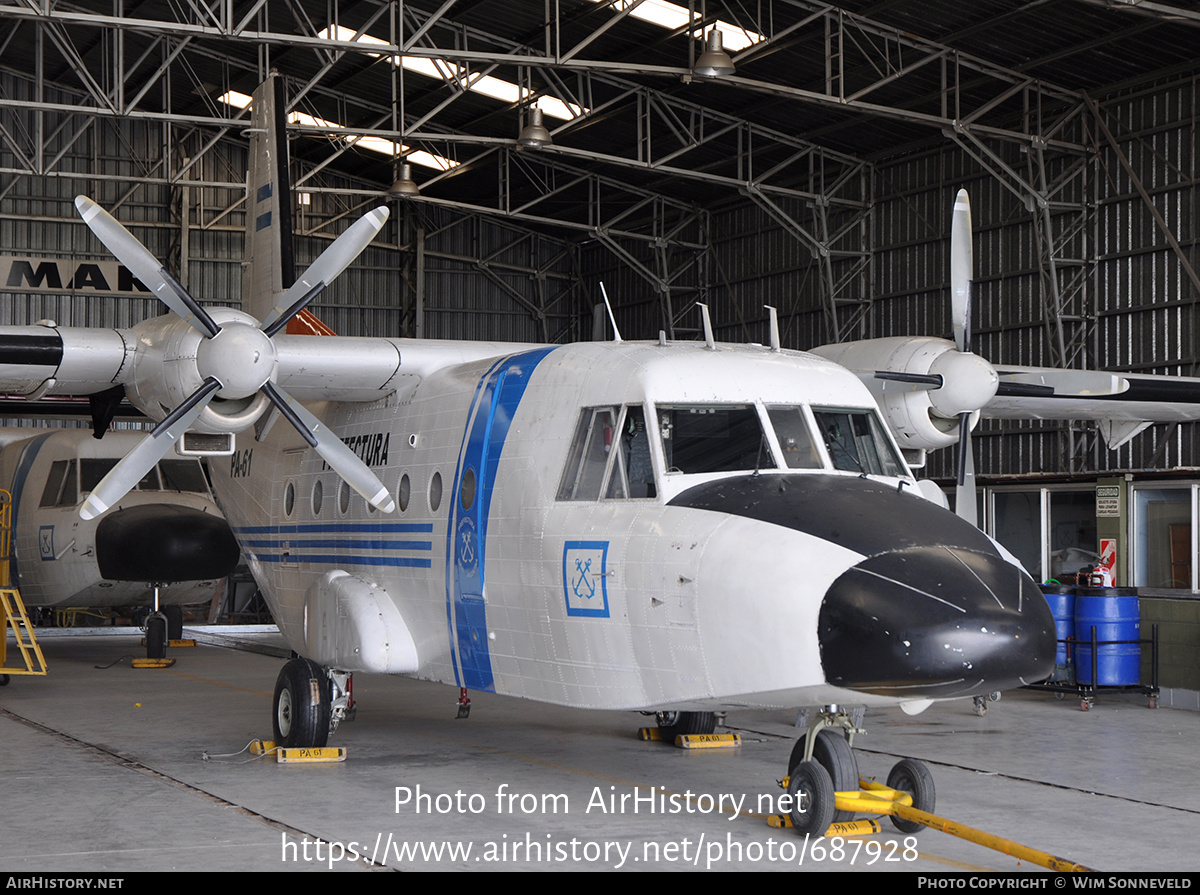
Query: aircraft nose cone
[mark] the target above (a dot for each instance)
(164, 543)
(935, 622)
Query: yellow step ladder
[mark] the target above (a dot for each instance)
(12, 610)
(12, 615)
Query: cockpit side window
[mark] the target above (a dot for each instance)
(54, 481)
(713, 438)
(799, 450)
(856, 442)
(632, 470)
(587, 460)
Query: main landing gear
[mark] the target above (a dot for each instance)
(677, 724)
(823, 764)
(310, 702)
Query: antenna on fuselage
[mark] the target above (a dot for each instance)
(774, 327)
(616, 332)
(708, 333)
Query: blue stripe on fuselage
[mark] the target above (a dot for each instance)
(489, 418)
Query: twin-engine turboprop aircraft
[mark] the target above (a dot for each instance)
(676, 528)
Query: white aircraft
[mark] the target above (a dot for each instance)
(167, 530)
(677, 528)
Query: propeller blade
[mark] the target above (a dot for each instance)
(929, 380)
(344, 461)
(331, 262)
(135, 256)
(131, 468)
(964, 496)
(961, 268)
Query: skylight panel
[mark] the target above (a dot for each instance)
(443, 70)
(381, 145)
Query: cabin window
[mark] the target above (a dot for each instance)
(856, 442)
(318, 497)
(289, 499)
(405, 492)
(435, 492)
(699, 438)
(795, 439)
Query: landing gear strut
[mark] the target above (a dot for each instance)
(823, 764)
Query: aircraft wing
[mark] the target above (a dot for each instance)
(1123, 404)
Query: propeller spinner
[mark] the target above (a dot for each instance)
(235, 359)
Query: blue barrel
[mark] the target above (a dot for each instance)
(1061, 598)
(1114, 613)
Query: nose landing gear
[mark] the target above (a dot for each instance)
(823, 776)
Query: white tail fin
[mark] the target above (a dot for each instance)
(269, 263)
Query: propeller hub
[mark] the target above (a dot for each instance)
(240, 356)
(968, 383)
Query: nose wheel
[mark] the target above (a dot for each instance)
(823, 765)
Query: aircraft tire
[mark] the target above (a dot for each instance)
(301, 706)
(675, 724)
(834, 754)
(814, 801)
(912, 777)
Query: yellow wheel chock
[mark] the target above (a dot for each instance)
(876, 798)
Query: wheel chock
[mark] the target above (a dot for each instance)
(324, 754)
(177, 643)
(649, 733)
(708, 741)
(295, 755)
(865, 827)
(153, 663)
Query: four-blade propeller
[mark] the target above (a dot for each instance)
(235, 359)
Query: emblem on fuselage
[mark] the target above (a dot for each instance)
(585, 578)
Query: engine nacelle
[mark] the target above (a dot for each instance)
(921, 416)
(171, 359)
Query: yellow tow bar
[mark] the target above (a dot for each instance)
(876, 798)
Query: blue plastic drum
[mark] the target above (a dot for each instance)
(1114, 612)
(1061, 598)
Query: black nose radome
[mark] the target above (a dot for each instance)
(935, 622)
(163, 543)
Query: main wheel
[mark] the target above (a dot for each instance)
(675, 724)
(912, 777)
(833, 753)
(301, 716)
(813, 799)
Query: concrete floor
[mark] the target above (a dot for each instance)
(106, 771)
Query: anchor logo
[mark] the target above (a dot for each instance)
(468, 544)
(585, 578)
(583, 581)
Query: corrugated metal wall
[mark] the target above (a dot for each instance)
(1127, 302)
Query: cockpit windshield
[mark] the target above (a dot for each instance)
(612, 452)
(856, 442)
(700, 438)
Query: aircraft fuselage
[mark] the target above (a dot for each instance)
(631, 525)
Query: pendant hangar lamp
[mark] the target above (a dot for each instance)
(714, 62)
